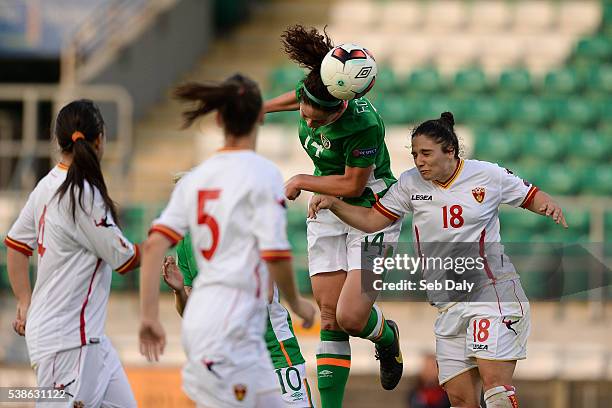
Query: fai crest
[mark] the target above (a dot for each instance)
(325, 141)
(240, 391)
(479, 194)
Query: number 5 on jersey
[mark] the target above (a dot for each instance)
(206, 219)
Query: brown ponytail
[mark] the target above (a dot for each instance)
(238, 100)
(77, 127)
(308, 47)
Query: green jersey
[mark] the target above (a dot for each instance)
(356, 139)
(279, 337)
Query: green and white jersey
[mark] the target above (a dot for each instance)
(356, 139)
(280, 338)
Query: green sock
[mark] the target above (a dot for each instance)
(376, 329)
(333, 366)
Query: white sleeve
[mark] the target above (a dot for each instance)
(173, 222)
(98, 232)
(270, 221)
(396, 201)
(22, 235)
(514, 190)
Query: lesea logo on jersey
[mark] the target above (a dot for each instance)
(365, 152)
(421, 197)
(479, 194)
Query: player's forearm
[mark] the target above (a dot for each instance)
(284, 102)
(335, 185)
(17, 265)
(154, 249)
(362, 218)
(180, 300)
(281, 272)
(539, 199)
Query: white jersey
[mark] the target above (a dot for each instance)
(462, 210)
(75, 257)
(233, 206)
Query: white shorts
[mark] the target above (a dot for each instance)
(482, 330)
(91, 374)
(228, 364)
(333, 245)
(294, 386)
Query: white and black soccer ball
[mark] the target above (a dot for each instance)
(348, 71)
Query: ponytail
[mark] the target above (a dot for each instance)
(308, 47)
(79, 124)
(238, 100)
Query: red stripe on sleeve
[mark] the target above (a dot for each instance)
(529, 197)
(384, 211)
(173, 236)
(132, 263)
(18, 246)
(275, 255)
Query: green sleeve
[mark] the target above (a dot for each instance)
(186, 261)
(360, 149)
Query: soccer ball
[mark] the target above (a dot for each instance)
(348, 71)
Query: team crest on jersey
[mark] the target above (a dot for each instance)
(325, 141)
(240, 391)
(479, 194)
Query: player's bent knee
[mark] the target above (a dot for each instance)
(460, 399)
(328, 318)
(503, 396)
(350, 323)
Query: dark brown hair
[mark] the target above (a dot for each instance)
(82, 116)
(308, 47)
(237, 99)
(442, 131)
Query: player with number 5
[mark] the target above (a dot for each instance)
(233, 207)
(455, 202)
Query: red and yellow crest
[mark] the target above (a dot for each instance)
(479, 194)
(240, 391)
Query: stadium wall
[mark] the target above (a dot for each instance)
(170, 47)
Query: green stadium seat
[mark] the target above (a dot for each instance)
(470, 81)
(597, 180)
(548, 147)
(608, 226)
(600, 80)
(564, 81)
(594, 49)
(285, 78)
(528, 112)
(576, 112)
(496, 146)
(387, 82)
(515, 81)
(425, 80)
(557, 179)
(590, 145)
(484, 112)
(432, 108)
(397, 110)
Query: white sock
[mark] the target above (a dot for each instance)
(501, 397)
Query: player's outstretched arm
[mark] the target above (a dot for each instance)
(543, 204)
(282, 273)
(285, 102)
(17, 265)
(152, 335)
(350, 184)
(365, 219)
